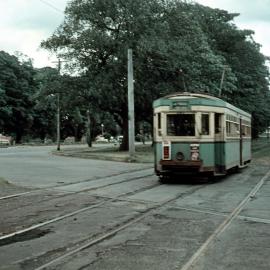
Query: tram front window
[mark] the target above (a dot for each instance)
(181, 125)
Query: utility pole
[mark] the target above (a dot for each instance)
(131, 126)
(88, 129)
(58, 122)
(58, 109)
(181, 73)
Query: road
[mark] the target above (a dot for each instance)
(68, 213)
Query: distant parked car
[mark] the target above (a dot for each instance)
(4, 140)
(120, 138)
(101, 139)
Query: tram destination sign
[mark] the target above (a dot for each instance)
(180, 104)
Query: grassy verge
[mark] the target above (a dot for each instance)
(261, 151)
(3, 181)
(144, 153)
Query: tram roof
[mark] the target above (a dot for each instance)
(196, 99)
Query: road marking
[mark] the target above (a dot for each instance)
(224, 225)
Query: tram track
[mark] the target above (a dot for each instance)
(158, 206)
(73, 213)
(112, 231)
(226, 223)
(20, 194)
(6, 233)
(153, 206)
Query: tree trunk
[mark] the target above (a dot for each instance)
(18, 136)
(88, 129)
(76, 128)
(124, 144)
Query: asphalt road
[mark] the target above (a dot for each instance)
(84, 214)
(37, 167)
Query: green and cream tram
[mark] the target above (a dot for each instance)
(200, 134)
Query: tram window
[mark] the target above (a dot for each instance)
(217, 123)
(228, 128)
(205, 124)
(181, 125)
(243, 130)
(159, 120)
(232, 129)
(246, 131)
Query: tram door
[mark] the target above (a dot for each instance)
(219, 142)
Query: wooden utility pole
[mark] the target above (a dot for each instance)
(58, 111)
(58, 122)
(88, 129)
(131, 126)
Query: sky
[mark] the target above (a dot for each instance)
(25, 23)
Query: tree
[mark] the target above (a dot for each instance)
(17, 87)
(243, 57)
(177, 46)
(97, 35)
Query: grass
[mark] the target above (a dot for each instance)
(143, 153)
(3, 181)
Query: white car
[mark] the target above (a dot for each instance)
(101, 139)
(4, 140)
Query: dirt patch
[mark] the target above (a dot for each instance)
(37, 233)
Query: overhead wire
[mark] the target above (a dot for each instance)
(62, 12)
(52, 6)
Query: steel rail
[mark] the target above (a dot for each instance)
(15, 195)
(83, 181)
(107, 235)
(225, 224)
(41, 224)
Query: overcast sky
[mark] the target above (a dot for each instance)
(25, 23)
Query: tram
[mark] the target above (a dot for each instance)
(199, 134)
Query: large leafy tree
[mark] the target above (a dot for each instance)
(17, 86)
(47, 80)
(51, 84)
(171, 52)
(243, 58)
(177, 46)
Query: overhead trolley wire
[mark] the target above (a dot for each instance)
(52, 6)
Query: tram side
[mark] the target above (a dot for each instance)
(199, 134)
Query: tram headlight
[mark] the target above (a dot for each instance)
(180, 156)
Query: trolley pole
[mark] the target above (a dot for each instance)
(131, 143)
(222, 80)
